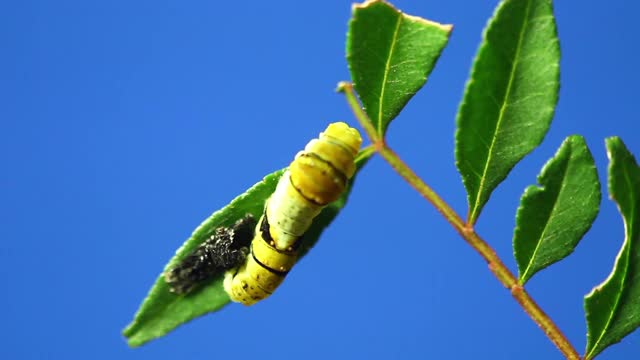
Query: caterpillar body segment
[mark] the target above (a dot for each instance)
(317, 176)
(263, 271)
(289, 214)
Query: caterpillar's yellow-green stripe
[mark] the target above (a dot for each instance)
(317, 176)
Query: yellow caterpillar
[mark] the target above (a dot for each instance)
(317, 176)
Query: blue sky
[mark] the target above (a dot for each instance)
(124, 124)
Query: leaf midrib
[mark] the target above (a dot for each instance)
(472, 213)
(626, 272)
(387, 68)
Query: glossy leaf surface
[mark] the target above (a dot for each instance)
(553, 217)
(390, 55)
(613, 307)
(510, 97)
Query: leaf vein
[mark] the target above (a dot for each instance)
(386, 73)
(546, 225)
(514, 66)
(625, 271)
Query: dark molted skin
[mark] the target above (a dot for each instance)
(224, 250)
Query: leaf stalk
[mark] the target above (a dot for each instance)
(465, 229)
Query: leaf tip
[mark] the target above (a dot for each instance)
(368, 3)
(127, 331)
(613, 144)
(129, 335)
(343, 86)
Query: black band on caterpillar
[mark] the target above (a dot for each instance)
(317, 176)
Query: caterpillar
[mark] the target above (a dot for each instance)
(317, 176)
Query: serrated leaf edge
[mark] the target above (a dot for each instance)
(615, 141)
(380, 128)
(523, 277)
(473, 212)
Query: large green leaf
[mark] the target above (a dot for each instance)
(613, 307)
(510, 97)
(553, 217)
(162, 310)
(390, 55)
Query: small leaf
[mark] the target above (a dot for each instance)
(162, 311)
(510, 97)
(552, 218)
(390, 55)
(613, 307)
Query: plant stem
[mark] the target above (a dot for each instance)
(497, 267)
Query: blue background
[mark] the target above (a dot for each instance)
(124, 124)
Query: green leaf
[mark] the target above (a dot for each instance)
(510, 97)
(552, 218)
(162, 310)
(390, 55)
(613, 307)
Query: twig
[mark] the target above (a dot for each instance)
(497, 267)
